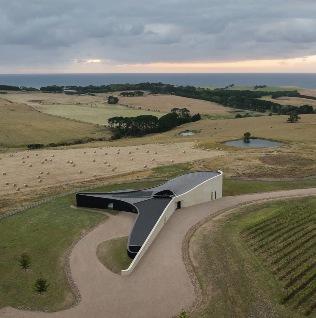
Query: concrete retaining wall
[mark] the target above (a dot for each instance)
(202, 193)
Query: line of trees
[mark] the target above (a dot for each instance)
(132, 93)
(147, 124)
(240, 99)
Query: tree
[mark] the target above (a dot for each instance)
(293, 118)
(25, 261)
(196, 117)
(41, 285)
(247, 137)
(168, 121)
(113, 100)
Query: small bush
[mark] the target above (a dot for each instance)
(183, 314)
(41, 285)
(35, 146)
(25, 261)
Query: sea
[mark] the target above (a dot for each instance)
(194, 79)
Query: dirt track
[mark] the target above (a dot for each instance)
(33, 170)
(160, 285)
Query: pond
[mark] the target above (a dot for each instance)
(254, 143)
(186, 133)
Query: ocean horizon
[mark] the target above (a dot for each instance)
(300, 80)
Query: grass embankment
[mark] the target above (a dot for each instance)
(259, 262)
(112, 254)
(238, 187)
(44, 233)
(20, 125)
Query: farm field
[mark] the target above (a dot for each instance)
(89, 109)
(20, 124)
(258, 262)
(294, 101)
(164, 103)
(27, 171)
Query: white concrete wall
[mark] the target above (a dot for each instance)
(200, 194)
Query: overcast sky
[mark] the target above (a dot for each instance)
(157, 35)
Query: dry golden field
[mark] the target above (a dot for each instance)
(164, 103)
(32, 170)
(89, 109)
(294, 101)
(21, 124)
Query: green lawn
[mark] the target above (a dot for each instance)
(241, 280)
(44, 233)
(112, 254)
(238, 187)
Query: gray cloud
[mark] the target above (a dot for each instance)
(37, 32)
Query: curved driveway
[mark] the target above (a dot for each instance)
(160, 286)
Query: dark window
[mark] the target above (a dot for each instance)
(179, 205)
(215, 195)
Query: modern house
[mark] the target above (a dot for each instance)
(155, 205)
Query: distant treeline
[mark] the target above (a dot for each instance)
(16, 88)
(147, 124)
(240, 99)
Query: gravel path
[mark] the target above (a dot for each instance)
(160, 286)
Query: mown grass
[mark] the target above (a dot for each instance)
(239, 279)
(112, 254)
(238, 187)
(45, 233)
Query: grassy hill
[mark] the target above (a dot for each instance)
(20, 124)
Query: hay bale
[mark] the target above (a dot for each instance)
(7, 183)
(30, 165)
(4, 173)
(41, 172)
(47, 173)
(25, 185)
(80, 171)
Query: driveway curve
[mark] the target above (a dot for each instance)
(160, 285)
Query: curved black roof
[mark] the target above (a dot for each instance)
(148, 203)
